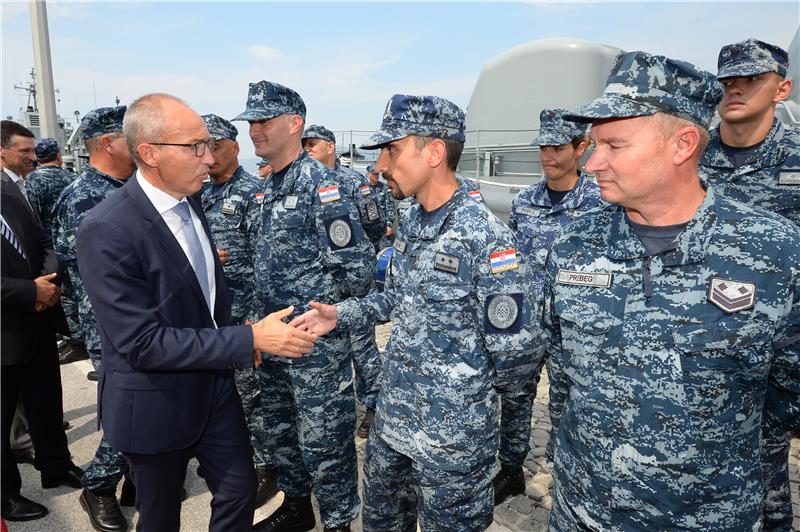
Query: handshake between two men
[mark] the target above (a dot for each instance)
(296, 338)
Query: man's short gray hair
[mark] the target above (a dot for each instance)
(669, 124)
(144, 121)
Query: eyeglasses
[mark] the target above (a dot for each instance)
(199, 146)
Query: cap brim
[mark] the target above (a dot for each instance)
(736, 71)
(609, 106)
(254, 115)
(550, 139)
(382, 137)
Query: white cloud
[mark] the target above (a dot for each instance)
(265, 53)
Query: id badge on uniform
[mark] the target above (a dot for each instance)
(290, 202)
(228, 207)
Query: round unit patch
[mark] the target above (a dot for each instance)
(502, 311)
(339, 233)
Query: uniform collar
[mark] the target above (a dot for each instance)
(226, 187)
(689, 247)
(90, 172)
(770, 153)
(572, 200)
(416, 230)
(291, 175)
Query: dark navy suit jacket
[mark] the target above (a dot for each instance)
(161, 352)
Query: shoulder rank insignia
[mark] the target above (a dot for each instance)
(399, 246)
(446, 263)
(602, 280)
(503, 260)
(476, 195)
(290, 203)
(731, 296)
(228, 207)
(259, 197)
(365, 190)
(789, 176)
(329, 194)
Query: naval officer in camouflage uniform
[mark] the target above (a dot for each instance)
(386, 203)
(320, 143)
(672, 310)
(232, 205)
(754, 158)
(311, 246)
(110, 165)
(43, 186)
(463, 330)
(538, 215)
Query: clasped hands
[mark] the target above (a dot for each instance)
(296, 338)
(47, 293)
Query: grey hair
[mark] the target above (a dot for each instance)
(144, 121)
(668, 124)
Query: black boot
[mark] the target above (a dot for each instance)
(294, 515)
(366, 423)
(508, 482)
(267, 485)
(104, 511)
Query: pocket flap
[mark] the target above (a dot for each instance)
(141, 381)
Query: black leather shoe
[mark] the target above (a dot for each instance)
(72, 353)
(92, 375)
(366, 423)
(267, 485)
(104, 512)
(508, 482)
(66, 425)
(23, 456)
(294, 515)
(69, 477)
(18, 508)
(128, 495)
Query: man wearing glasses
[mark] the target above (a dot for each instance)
(110, 165)
(167, 390)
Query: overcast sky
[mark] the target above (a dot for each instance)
(345, 59)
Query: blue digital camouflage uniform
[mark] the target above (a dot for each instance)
(770, 179)
(666, 358)
(387, 207)
(472, 187)
(43, 186)
(75, 201)
(462, 331)
(311, 247)
(233, 211)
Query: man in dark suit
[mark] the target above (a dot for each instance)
(31, 317)
(166, 389)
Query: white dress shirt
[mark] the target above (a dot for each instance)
(19, 181)
(164, 204)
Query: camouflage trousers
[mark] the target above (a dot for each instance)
(516, 411)
(778, 513)
(309, 421)
(250, 394)
(69, 302)
(108, 466)
(367, 365)
(398, 492)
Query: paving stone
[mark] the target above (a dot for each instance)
(541, 515)
(535, 490)
(522, 504)
(546, 502)
(544, 479)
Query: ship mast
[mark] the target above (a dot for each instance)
(45, 90)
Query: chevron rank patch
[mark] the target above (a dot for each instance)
(731, 296)
(503, 260)
(446, 263)
(789, 176)
(329, 194)
(476, 195)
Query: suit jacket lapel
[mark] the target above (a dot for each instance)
(219, 276)
(156, 225)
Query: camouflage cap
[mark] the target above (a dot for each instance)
(751, 57)
(219, 128)
(102, 121)
(263, 162)
(555, 131)
(371, 169)
(426, 116)
(319, 132)
(266, 100)
(46, 150)
(641, 84)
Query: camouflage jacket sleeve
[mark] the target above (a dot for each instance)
(559, 385)
(508, 310)
(374, 308)
(346, 250)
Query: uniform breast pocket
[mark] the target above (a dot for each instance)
(585, 331)
(447, 311)
(294, 238)
(724, 366)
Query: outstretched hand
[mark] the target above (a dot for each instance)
(319, 321)
(271, 335)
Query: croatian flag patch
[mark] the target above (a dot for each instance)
(328, 194)
(476, 195)
(365, 191)
(259, 197)
(503, 260)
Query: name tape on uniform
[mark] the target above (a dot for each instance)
(602, 280)
(503, 260)
(790, 176)
(329, 194)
